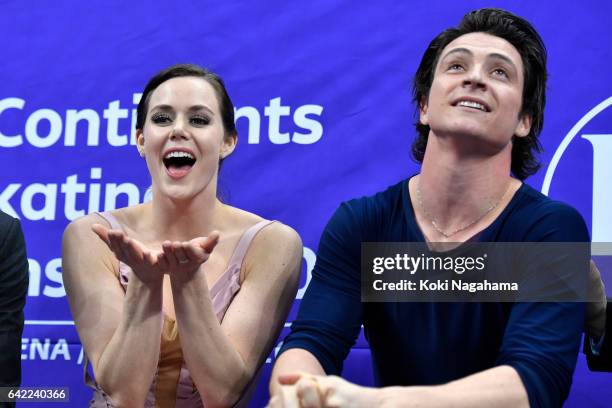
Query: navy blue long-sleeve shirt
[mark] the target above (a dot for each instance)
(433, 343)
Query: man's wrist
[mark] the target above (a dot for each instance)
(409, 396)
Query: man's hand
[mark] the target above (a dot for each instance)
(595, 311)
(313, 391)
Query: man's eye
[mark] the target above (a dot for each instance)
(200, 120)
(161, 118)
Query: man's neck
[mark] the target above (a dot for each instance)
(455, 190)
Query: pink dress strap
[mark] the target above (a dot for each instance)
(110, 218)
(245, 242)
(227, 285)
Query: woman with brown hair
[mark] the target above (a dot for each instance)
(178, 301)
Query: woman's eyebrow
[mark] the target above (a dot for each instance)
(194, 108)
(162, 107)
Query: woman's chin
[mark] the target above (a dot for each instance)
(176, 193)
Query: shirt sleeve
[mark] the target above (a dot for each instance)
(542, 339)
(330, 313)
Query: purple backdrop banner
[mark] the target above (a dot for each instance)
(324, 114)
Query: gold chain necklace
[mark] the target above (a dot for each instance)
(434, 224)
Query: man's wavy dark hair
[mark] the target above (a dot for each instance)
(530, 46)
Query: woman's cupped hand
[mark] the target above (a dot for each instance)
(181, 259)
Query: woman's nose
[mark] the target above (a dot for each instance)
(179, 129)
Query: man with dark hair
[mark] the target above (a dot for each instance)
(480, 97)
(528, 43)
(13, 291)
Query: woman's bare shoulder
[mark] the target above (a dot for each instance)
(82, 225)
(241, 218)
(130, 217)
(274, 236)
(83, 252)
(248, 218)
(125, 216)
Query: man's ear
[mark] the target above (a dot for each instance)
(523, 127)
(423, 106)
(228, 145)
(140, 142)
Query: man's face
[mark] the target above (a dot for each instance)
(476, 94)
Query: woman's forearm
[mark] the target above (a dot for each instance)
(217, 369)
(128, 363)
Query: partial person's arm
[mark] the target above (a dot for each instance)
(13, 291)
(598, 325)
(598, 350)
(595, 309)
(121, 332)
(223, 358)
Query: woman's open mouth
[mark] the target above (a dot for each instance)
(178, 163)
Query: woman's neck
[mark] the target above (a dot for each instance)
(185, 219)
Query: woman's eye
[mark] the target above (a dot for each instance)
(161, 118)
(200, 120)
(455, 67)
(500, 72)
